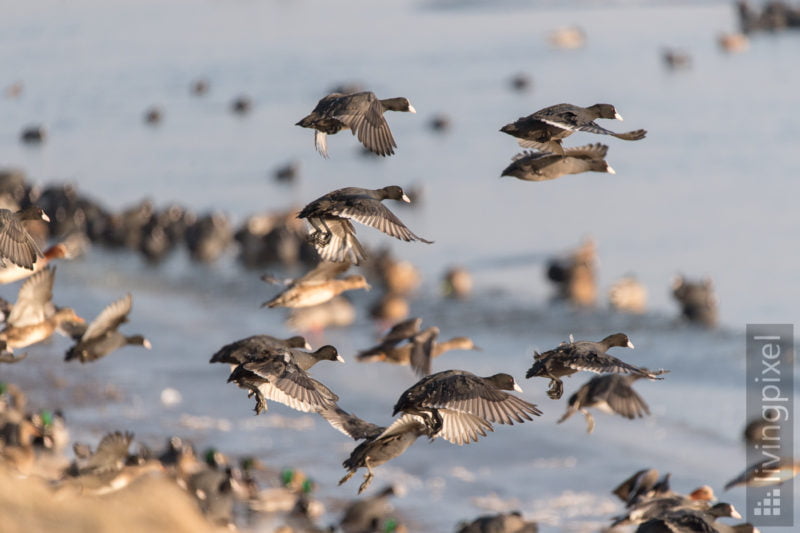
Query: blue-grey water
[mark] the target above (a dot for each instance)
(712, 191)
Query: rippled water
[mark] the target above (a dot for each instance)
(711, 191)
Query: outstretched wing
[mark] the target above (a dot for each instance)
(343, 245)
(367, 122)
(349, 424)
(378, 216)
(626, 401)
(324, 271)
(589, 151)
(462, 428)
(422, 350)
(470, 394)
(33, 301)
(110, 318)
(16, 244)
(321, 143)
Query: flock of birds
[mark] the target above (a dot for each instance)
(455, 405)
(33, 317)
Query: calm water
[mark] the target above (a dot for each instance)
(712, 191)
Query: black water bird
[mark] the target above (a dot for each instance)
(545, 129)
(362, 113)
(574, 356)
(333, 233)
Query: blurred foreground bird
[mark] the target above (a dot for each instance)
(16, 244)
(109, 469)
(365, 514)
(643, 485)
(499, 523)
(661, 502)
(694, 520)
(34, 318)
(63, 250)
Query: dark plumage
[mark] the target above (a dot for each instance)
(546, 128)
(455, 405)
(611, 393)
(33, 134)
(330, 215)
(654, 507)
(251, 348)
(574, 356)
(690, 520)
(454, 393)
(643, 485)
(16, 244)
(362, 113)
(306, 360)
(543, 166)
(101, 337)
(281, 379)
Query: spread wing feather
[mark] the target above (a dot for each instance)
(109, 318)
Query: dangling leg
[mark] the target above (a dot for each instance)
(570, 411)
(325, 237)
(589, 420)
(367, 477)
(431, 418)
(321, 234)
(556, 388)
(436, 423)
(347, 476)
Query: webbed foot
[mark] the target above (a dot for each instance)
(556, 389)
